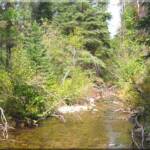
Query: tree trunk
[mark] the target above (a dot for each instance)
(8, 55)
(9, 40)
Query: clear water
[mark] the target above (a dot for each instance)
(104, 128)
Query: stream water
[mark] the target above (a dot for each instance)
(104, 127)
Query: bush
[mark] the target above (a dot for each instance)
(71, 88)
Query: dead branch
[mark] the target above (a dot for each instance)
(138, 125)
(4, 125)
(65, 76)
(133, 139)
(59, 116)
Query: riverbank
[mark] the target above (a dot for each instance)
(87, 102)
(81, 129)
(105, 96)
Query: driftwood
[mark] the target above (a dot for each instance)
(133, 140)
(4, 124)
(59, 116)
(138, 126)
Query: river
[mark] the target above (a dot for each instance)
(102, 127)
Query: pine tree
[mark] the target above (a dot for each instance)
(90, 17)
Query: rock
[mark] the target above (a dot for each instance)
(95, 110)
(22, 125)
(90, 107)
(111, 145)
(72, 109)
(98, 97)
(34, 123)
(93, 105)
(91, 100)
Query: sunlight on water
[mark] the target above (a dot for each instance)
(104, 128)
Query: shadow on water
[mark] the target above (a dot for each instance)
(104, 128)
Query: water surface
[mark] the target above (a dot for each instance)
(101, 128)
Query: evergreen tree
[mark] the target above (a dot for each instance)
(91, 18)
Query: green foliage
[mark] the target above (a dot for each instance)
(143, 84)
(44, 9)
(87, 59)
(21, 65)
(6, 87)
(127, 65)
(72, 87)
(37, 81)
(128, 68)
(48, 53)
(28, 101)
(67, 80)
(143, 25)
(129, 17)
(35, 49)
(71, 15)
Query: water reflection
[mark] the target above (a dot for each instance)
(101, 129)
